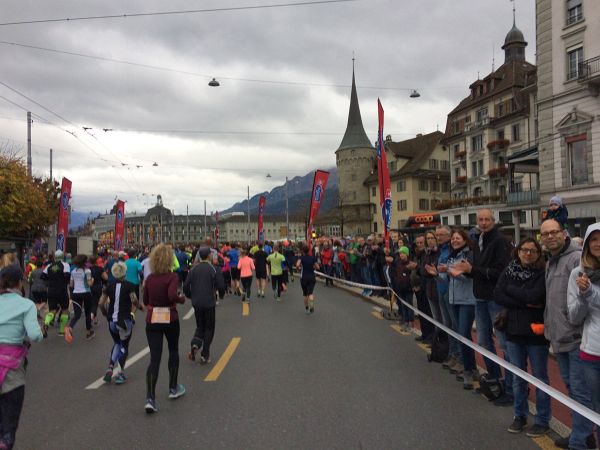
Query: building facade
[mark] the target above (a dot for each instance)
(355, 159)
(568, 58)
(237, 228)
(491, 137)
(419, 175)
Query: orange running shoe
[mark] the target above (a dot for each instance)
(69, 335)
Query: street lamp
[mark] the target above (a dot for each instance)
(214, 83)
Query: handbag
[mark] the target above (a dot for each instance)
(501, 320)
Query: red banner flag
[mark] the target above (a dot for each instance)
(383, 173)
(261, 210)
(119, 225)
(318, 193)
(62, 230)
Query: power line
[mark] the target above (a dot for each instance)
(207, 76)
(168, 13)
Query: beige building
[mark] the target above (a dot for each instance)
(419, 175)
(491, 137)
(568, 58)
(355, 159)
(235, 228)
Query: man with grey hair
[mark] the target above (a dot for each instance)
(493, 256)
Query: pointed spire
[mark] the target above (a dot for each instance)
(355, 136)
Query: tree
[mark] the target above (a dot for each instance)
(27, 205)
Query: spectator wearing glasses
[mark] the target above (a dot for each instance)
(564, 337)
(521, 290)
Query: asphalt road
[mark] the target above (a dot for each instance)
(338, 379)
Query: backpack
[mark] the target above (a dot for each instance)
(491, 388)
(439, 347)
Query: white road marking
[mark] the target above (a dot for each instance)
(130, 361)
(189, 314)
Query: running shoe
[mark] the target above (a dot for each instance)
(192, 353)
(90, 335)
(121, 378)
(150, 406)
(45, 331)
(204, 360)
(243, 297)
(306, 311)
(68, 335)
(312, 310)
(176, 392)
(108, 375)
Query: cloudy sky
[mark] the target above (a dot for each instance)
(282, 106)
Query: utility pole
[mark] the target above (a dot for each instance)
(173, 226)
(28, 144)
(187, 223)
(205, 230)
(287, 211)
(50, 164)
(248, 214)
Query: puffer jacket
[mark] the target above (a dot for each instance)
(461, 287)
(524, 301)
(584, 307)
(562, 334)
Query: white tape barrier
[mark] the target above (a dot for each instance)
(552, 392)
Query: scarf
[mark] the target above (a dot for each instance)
(518, 272)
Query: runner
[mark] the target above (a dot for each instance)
(275, 260)
(307, 265)
(246, 266)
(289, 254)
(99, 278)
(200, 285)
(38, 287)
(260, 264)
(58, 274)
(161, 298)
(135, 271)
(121, 298)
(234, 258)
(81, 282)
(18, 321)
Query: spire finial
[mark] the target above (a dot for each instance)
(353, 59)
(514, 13)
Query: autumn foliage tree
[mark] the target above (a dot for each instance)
(27, 205)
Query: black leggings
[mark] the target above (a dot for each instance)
(247, 285)
(82, 301)
(205, 329)
(276, 281)
(11, 404)
(154, 334)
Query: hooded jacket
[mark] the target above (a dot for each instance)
(563, 336)
(584, 307)
(461, 287)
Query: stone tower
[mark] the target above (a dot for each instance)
(355, 159)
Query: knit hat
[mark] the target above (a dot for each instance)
(118, 270)
(404, 250)
(58, 255)
(556, 200)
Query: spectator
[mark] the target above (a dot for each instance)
(521, 291)
(430, 259)
(462, 300)
(418, 281)
(558, 211)
(400, 278)
(583, 303)
(489, 262)
(564, 337)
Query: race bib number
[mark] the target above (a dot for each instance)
(161, 315)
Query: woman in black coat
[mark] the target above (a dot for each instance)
(521, 290)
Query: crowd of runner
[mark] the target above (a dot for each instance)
(530, 297)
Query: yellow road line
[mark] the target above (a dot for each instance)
(544, 442)
(377, 315)
(245, 309)
(399, 330)
(215, 373)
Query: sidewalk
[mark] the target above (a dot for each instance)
(561, 422)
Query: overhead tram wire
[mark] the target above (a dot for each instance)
(176, 12)
(72, 133)
(207, 76)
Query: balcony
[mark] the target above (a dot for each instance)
(469, 201)
(523, 198)
(589, 71)
(460, 156)
(461, 180)
(498, 144)
(497, 172)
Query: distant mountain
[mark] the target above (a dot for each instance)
(299, 189)
(80, 218)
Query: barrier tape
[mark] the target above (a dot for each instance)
(552, 392)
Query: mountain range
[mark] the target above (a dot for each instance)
(299, 189)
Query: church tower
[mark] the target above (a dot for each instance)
(355, 160)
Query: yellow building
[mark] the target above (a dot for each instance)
(419, 176)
